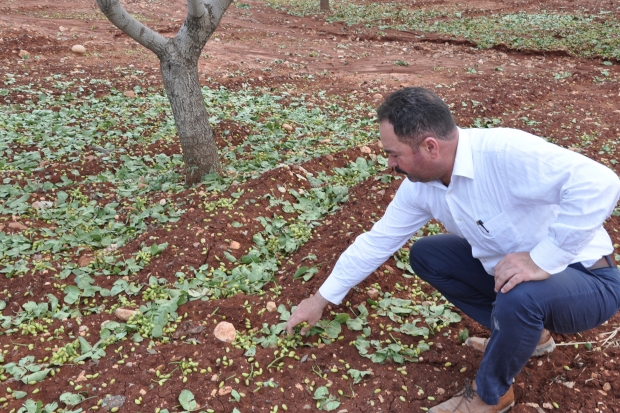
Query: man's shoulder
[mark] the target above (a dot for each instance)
(488, 139)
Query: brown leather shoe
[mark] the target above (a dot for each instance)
(468, 401)
(545, 346)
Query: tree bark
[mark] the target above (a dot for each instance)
(178, 58)
(324, 5)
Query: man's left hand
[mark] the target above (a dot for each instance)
(516, 268)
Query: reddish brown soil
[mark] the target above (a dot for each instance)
(246, 43)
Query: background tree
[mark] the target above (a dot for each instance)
(324, 5)
(178, 57)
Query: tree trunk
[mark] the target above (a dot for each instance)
(190, 115)
(178, 59)
(324, 5)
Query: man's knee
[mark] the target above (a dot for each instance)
(518, 303)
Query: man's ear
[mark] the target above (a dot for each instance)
(431, 146)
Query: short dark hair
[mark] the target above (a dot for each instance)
(416, 113)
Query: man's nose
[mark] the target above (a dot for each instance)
(392, 163)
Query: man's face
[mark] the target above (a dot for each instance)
(417, 164)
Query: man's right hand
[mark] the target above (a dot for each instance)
(309, 310)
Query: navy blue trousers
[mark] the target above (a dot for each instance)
(571, 301)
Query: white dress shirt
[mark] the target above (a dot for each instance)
(530, 195)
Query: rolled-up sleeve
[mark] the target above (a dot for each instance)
(585, 191)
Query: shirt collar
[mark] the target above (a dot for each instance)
(463, 163)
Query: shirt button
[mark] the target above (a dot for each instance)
(459, 219)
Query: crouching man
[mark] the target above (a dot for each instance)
(526, 252)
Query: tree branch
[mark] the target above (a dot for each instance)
(193, 35)
(196, 8)
(148, 38)
(217, 9)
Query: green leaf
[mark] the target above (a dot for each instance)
(186, 398)
(71, 399)
(235, 395)
(72, 294)
(36, 376)
(85, 346)
(19, 394)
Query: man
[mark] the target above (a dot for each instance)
(526, 253)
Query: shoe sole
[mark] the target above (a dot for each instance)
(507, 408)
(539, 351)
(544, 348)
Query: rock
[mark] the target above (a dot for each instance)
(124, 313)
(129, 94)
(365, 149)
(271, 306)
(606, 387)
(24, 54)
(78, 49)
(377, 96)
(85, 260)
(440, 391)
(214, 377)
(373, 293)
(282, 189)
(381, 192)
(62, 29)
(329, 158)
(547, 406)
(81, 377)
(260, 78)
(287, 127)
(17, 225)
(224, 391)
(162, 202)
(42, 204)
(114, 401)
(225, 332)
(142, 392)
(234, 245)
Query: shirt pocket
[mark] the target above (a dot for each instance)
(498, 234)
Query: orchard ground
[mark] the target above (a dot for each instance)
(94, 215)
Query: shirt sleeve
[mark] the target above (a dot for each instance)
(371, 249)
(585, 191)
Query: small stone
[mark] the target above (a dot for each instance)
(24, 54)
(162, 202)
(42, 204)
(129, 94)
(81, 377)
(329, 158)
(142, 392)
(78, 49)
(124, 313)
(373, 293)
(287, 127)
(606, 387)
(299, 387)
(17, 225)
(62, 29)
(214, 377)
(224, 391)
(371, 114)
(547, 406)
(377, 96)
(365, 149)
(260, 78)
(225, 332)
(234, 245)
(271, 306)
(85, 260)
(282, 189)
